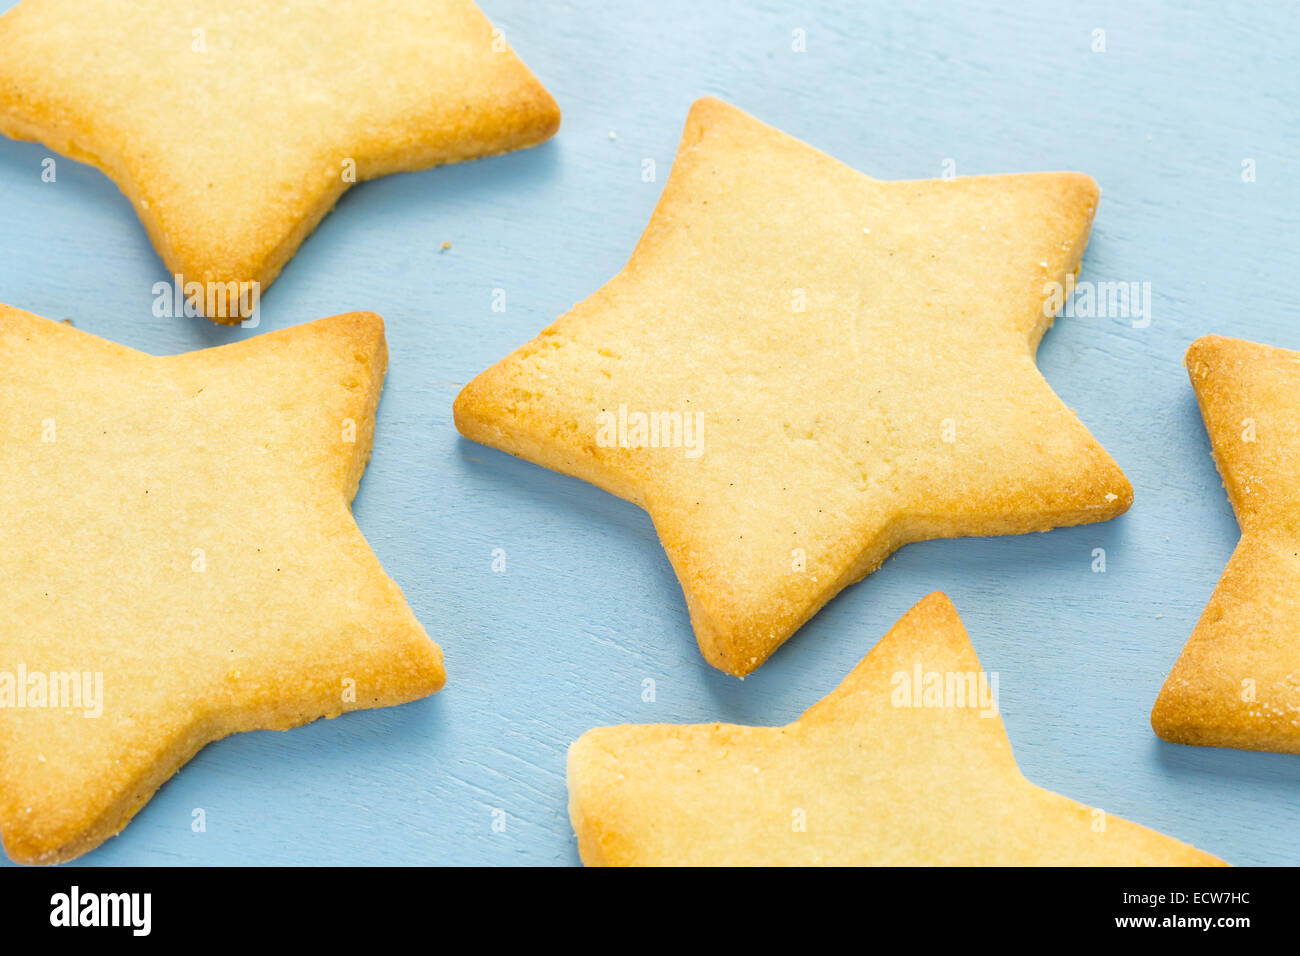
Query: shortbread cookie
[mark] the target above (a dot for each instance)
(905, 763)
(1237, 682)
(180, 562)
(233, 126)
(801, 369)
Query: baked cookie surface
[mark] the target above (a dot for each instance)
(233, 126)
(886, 770)
(1237, 681)
(181, 562)
(802, 368)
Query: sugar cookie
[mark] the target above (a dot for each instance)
(802, 368)
(905, 763)
(181, 562)
(1237, 682)
(233, 126)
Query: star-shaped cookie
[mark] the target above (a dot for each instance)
(905, 763)
(180, 562)
(802, 368)
(1237, 682)
(233, 126)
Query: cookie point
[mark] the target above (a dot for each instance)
(710, 108)
(1160, 719)
(936, 599)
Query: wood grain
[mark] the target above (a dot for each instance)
(588, 608)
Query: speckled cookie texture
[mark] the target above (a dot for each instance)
(181, 562)
(801, 369)
(905, 763)
(1237, 682)
(233, 126)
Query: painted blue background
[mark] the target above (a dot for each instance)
(588, 606)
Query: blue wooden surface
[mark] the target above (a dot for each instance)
(588, 606)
